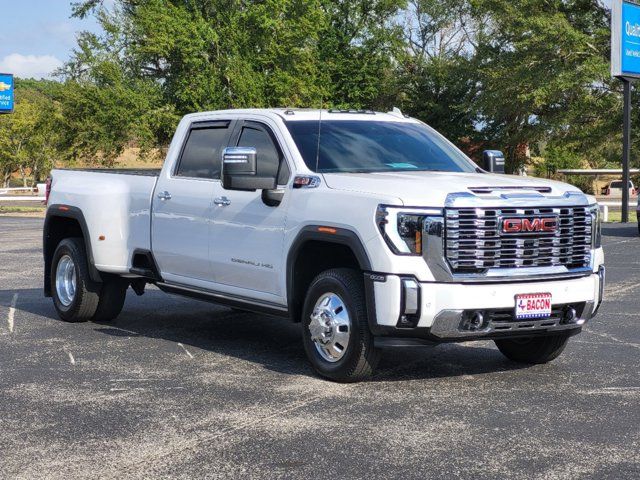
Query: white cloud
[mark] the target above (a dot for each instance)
(29, 66)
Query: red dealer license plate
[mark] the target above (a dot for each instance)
(533, 305)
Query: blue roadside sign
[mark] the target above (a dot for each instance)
(6, 93)
(625, 39)
(630, 48)
(625, 65)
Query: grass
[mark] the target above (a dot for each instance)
(21, 209)
(615, 216)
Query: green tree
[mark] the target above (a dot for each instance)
(213, 54)
(506, 73)
(30, 137)
(16, 131)
(541, 62)
(209, 54)
(358, 51)
(438, 71)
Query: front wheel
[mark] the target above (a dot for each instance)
(335, 329)
(534, 350)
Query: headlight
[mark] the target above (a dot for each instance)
(596, 226)
(402, 228)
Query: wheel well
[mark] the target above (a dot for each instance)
(314, 257)
(56, 230)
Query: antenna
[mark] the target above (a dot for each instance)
(319, 133)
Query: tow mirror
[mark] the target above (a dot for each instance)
(239, 170)
(493, 161)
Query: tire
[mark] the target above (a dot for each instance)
(75, 295)
(112, 296)
(339, 294)
(535, 350)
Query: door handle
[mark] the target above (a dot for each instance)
(222, 201)
(164, 195)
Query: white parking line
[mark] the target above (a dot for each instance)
(185, 350)
(614, 290)
(614, 339)
(12, 311)
(71, 359)
(620, 242)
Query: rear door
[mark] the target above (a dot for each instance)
(182, 209)
(248, 231)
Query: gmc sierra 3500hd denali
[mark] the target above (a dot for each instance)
(369, 228)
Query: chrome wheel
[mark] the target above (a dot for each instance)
(330, 327)
(66, 280)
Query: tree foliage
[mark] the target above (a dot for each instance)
(516, 75)
(30, 137)
(541, 62)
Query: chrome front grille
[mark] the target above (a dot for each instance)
(475, 242)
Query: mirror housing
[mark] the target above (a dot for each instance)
(493, 161)
(239, 170)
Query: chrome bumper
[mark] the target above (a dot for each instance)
(452, 324)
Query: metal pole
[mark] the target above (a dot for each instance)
(626, 150)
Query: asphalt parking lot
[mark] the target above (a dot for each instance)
(182, 389)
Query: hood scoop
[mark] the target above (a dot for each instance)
(516, 188)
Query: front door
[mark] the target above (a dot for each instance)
(247, 234)
(183, 209)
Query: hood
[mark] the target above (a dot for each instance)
(432, 188)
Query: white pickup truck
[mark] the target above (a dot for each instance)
(370, 229)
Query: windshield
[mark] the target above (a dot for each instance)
(349, 146)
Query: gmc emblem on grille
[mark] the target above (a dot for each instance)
(530, 225)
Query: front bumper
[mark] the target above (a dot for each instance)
(444, 309)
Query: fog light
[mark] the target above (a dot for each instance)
(473, 321)
(570, 315)
(477, 321)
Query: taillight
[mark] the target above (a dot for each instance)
(47, 191)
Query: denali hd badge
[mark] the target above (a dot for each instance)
(548, 224)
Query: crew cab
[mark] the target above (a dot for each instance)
(370, 229)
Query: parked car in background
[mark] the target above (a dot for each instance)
(614, 189)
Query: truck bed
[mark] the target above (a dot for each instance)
(116, 206)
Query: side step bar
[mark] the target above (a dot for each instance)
(226, 299)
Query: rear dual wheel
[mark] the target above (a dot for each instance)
(76, 297)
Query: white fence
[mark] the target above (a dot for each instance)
(13, 194)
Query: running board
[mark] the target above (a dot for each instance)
(226, 299)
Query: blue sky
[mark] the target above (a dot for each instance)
(37, 36)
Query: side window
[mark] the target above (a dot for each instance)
(202, 153)
(269, 156)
